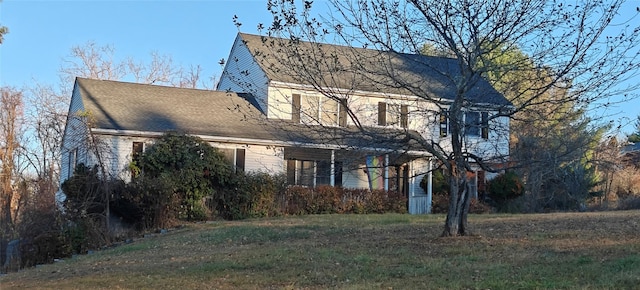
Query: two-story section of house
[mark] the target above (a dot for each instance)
(330, 87)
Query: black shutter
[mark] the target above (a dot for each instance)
(382, 113)
(404, 116)
(342, 117)
(295, 108)
(485, 125)
(240, 153)
(291, 172)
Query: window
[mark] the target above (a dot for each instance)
(136, 152)
(329, 111)
(313, 109)
(323, 174)
(309, 109)
(393, 115)
(136, 155)
(472, 123)
(444, 124)
(235, 157)
(73, 161)
(477, 124)
(301, 172)
(313, 173)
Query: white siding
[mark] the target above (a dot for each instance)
(258, 157)
(355, 177)
(423, 118)
(74, 137)
(121, 147)
(496, 145)
(242, 74)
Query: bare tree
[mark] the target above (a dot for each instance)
(100, 62)
(92, 61)
(10, 121)
(571, 48)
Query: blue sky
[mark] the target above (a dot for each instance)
(191, 32)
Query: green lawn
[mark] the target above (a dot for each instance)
(550, 251)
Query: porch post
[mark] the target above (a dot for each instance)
(386, 172)
(332, 181)
(430, 185)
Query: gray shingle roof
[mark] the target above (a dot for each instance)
(150, 108)
(363, 69)
(141, 107)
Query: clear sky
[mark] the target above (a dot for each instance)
(41, 34)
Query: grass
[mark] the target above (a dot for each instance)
(548, 251)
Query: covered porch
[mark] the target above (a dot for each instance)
(372, 169)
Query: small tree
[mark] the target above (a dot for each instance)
(85, 206)
(193, 169)
(505, 187)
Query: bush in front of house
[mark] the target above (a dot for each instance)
(249, 195)
(193, 168)
(85, 207)
(264, 189)
(504, 187)
(439, 181)
(148, 203)
(299, 200)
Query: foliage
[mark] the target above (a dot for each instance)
(635, 136)
(440, 183)
(265, 189)
(299, 200)
(440, 204)
(87, 195)
(248, 195)
(570, 189)
(627, 182)
(84, 191)
(41, 235)
(3, 30)
(505, 186)
(193, 169)
(629, 203)
(147, 203)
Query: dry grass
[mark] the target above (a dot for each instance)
(564, 250)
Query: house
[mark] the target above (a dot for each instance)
(369, 134)
(630, 155)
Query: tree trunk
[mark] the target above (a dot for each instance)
(459, 200)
